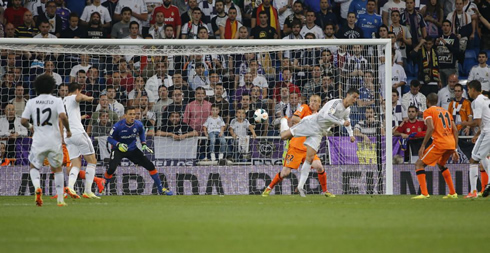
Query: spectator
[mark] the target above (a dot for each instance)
(49, 70)
(358, 7)
(197, 111)
(84, 65)
(412, 125)
(284, 9)
(327, 91)
(146, 117)
(121, 29)
(95, 29)
(213, 80)
(160, 78)
(257, 101)
(271, 21)
(62, 90)
(344, 10)
(9, 30)
(177, 106)
(388, 9)
(15, 13)
(44, 31)
(243, 33)
(73, 31)
(414, 21)
(398, 76)
(7, 89)
(286, 107)
(433, 16)
(238, 130)
(218, 99)
(11, 129)
(4, 161)
(314, 82)
(369, 22)
(190, 29)
(350, 31)
(481, 72)
(95, 83)
(367, 92)
(139, 11)
(81, 77)
(198, 79)
(63, 12)
(426, 57)
(244, 89)
(186, 16)
(462, 24)
(461, 110)
(121, 93)
(483, 14)
(55, 22)
(311, 27)
(19, 101)
(447, 94)
(103, 106)
(229, 4)
(178, 82)
(354, 68)
(249, 108)
(258, 79)
(176, 129)
(296, 17)
(28, 29)
(214, 128)
(157, 30)
(102, 126)
(448, 52)
(219, 19)
(286, 76)
(111, 6)
(139, 91)
(399, 113)
(171, 14)
(127, 79)
(230, 27)
(326, 16)
(402, 33)
(207, 8)
(160, 105)
(415, 98)
(114, 105)
(104, 15)
(263, 30)
(369, 126)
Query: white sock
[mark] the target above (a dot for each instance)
(284, 125)
(59, 183)
(89, 177)
(35, 178)
(305, 171)
(485, 163)
(72, 178)
(473, 176)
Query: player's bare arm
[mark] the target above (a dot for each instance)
(66, 124)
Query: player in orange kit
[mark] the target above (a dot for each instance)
(296, 153)
(444, 133)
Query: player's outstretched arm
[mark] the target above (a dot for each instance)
(456, 136)
(81, 97)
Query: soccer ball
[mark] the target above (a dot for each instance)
(260, 115)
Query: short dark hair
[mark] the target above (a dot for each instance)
(200, 88)
(352, 90)
(415, 83)
(395, 11)
(197, 9)
(44, 84)
(134, 23)
(231, 8)
(395, 91)
(483, 52)
(110, 87)
(126, 9)
(413, 106)
(129, 108)
(447, 21)
(263, 12)
(459, 85)
(214, 106)
(202, 28)
(74, 86)
(296, 23)
(475, 84)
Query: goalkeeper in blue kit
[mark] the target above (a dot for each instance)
(123, 140)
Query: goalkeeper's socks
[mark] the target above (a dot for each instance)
(156, 179)
(422, 182)
(484, 180)
(72, 178)
(473, 176)
(276, 180)
(449, 180)
(322, 178)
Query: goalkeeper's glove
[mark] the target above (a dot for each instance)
(146, 148)
(122, 147)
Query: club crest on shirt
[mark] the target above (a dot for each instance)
(134, 130)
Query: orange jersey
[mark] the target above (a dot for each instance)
(460, 109)
(297, 142)
(442, 137)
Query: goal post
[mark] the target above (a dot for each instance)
(228, 59)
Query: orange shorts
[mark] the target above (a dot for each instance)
(66, 158)
(434, 155)
(295, 157)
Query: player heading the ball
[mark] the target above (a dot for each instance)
(123, 140)
(44, 110)
(334, 112)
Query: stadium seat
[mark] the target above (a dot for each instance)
(470, 60)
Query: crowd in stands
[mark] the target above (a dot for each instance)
(436, 44)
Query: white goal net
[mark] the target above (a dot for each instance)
(197, 98)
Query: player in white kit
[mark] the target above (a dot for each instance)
(79, 144)
(481, 115)
(334, 112)
(45, 110)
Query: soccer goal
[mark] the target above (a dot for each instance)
(197, 100)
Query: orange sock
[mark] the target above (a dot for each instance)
(449, 180)
(276, 180)
(322, 177)
(423, 184)
(81, 174)
(484, 180)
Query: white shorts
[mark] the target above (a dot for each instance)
(482, 147)
(310, 128)
(39, 153)
(79, 144)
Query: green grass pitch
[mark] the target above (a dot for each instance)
(245, 224)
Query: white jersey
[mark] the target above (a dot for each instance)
(334, 113)
(481, 110)
(315, 30)
(481, 74)
(74, 116)
(44, 111)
